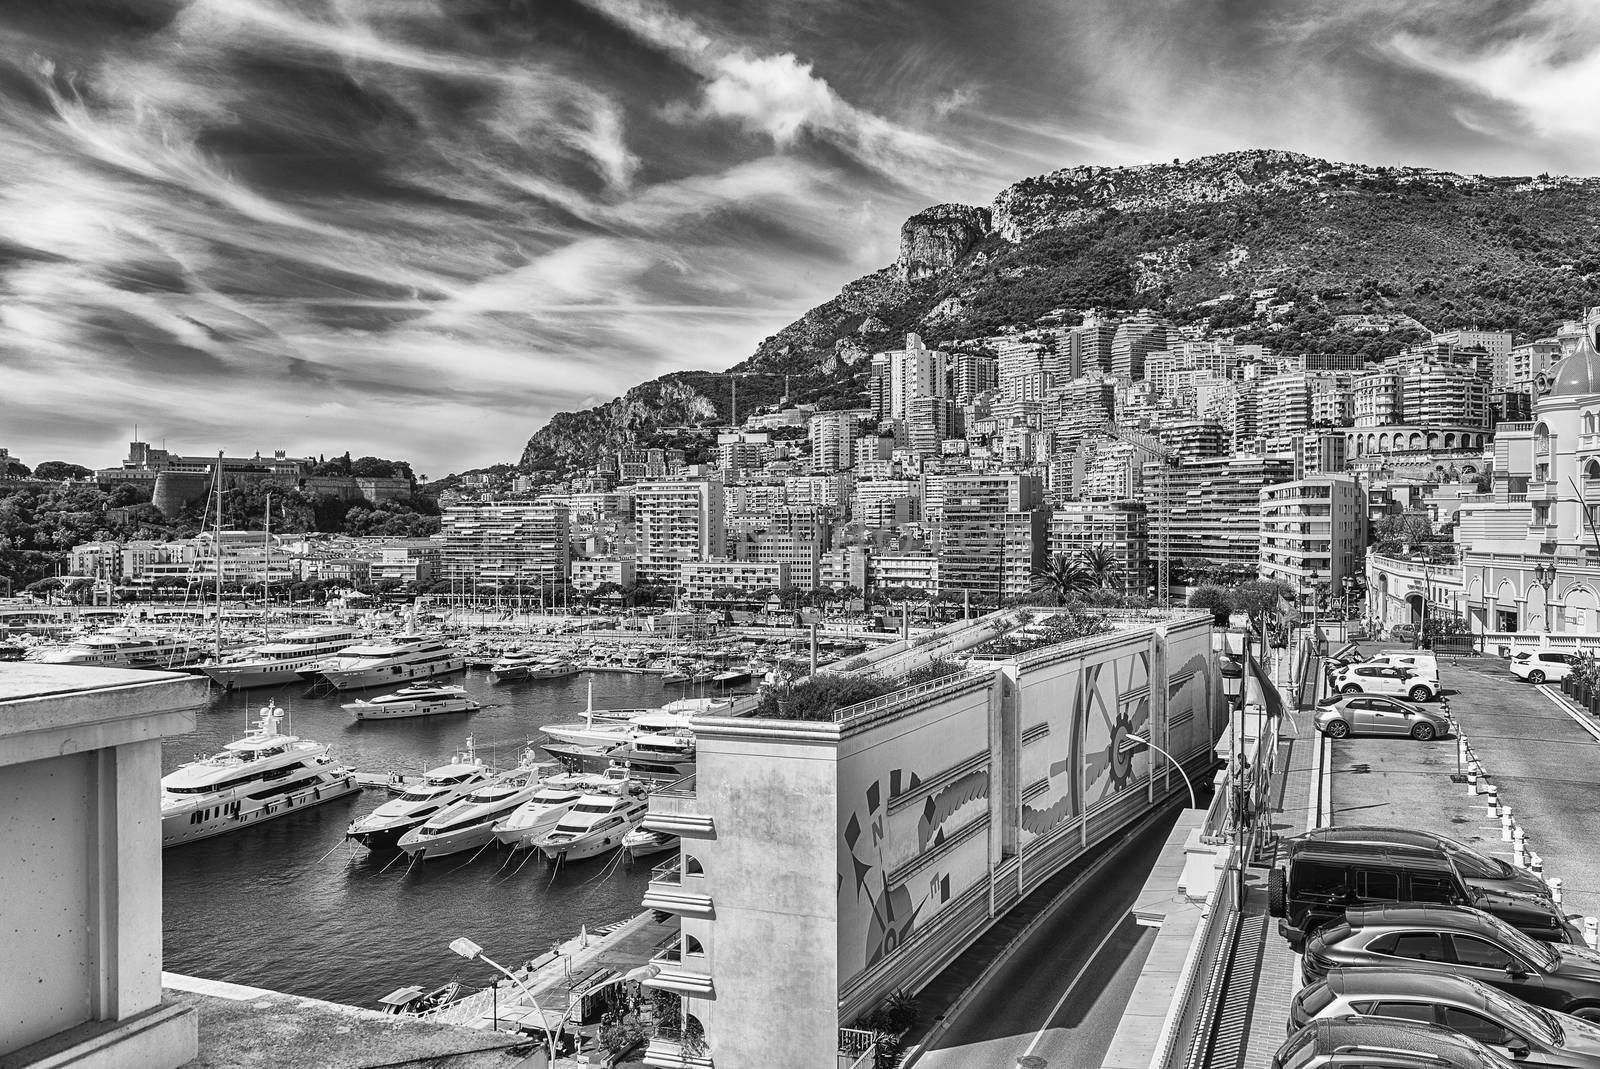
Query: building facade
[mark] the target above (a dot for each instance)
(503, 543)
(1313, 532)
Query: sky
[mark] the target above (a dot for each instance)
(416, 229)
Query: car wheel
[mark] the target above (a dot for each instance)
(1535, 677)
(1585, 1013)
(1419, 693)
(1277, 894)
(1336, 729)
(1350, 688)
(1423, 732)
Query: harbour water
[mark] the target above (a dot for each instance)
(291, 906)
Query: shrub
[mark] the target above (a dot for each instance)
(820, 697)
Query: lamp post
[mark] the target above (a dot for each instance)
(1544, 573)
(473, 952)
(1132, 743)
(1347, 584)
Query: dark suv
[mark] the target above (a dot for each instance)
(1476, 868)
(1321, 879)
(1557, 977)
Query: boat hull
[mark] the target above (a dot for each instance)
(435, 846)
(241, 677)
(177, 829)
(524, 836)
(366, 678)
(406, 710)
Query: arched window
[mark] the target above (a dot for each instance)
(691, 945)
(1541, 438)
(692, 866)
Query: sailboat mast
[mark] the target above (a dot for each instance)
(266, 573)
(216, 547)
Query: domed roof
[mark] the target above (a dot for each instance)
(1578, 373)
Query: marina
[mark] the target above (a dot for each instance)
(256, 906)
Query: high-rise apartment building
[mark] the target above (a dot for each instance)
(972, 374)
(677, 520)
(1092, 345)
(1185, 438)
(915, 371)
(993, 536)
(1120, 528)
(507, 542)
(1313, 532)
(1136, 337)
(833, 436)
(1324, 452)
(1526, 368)
(1212, 509)
(1082, 406)
(928, 422)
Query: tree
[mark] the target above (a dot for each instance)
(61, 469)
(1061, 577)
(1102, 566)
(1212, 599)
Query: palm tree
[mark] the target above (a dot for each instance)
(1062, 576)
(1102, 565)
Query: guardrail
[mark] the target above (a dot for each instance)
(668, 872)
(952, 683)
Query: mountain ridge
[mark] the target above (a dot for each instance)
(1518, 253)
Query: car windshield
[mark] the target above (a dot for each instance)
(1476, 865)
(1539, 953)
(1519, 1016)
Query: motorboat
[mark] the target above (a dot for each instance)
(128, 648)
(597, 822)
(657, 755)
(674, 676)
(415, 699)
(553, 669)
(381, 829)
(539, 814)
(397, 659)
(416, 1001)
(641, 842)
(468, 823)
(281, 660)
(731, 677)
(513, 666)
(263, 775)
(611, 727)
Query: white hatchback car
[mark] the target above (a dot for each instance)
(1420, 662)
(1383, 679)
(1541, 666)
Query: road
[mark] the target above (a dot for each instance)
(1056, 1001)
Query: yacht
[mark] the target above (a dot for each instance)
(283, 659)
(415, 699)
(597, 823)
(657, 755)
(396, 659)
(515, 665)
(381, 829)
(127, 648)
(642, 843)
(468, 823)
(555, 797)
(608, 728)
(553, 669)
(266, 774)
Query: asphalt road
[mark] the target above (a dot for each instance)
(1055, 1003)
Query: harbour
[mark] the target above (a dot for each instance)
(292, 906)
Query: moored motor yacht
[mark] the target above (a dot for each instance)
(555, 797)
(553, 669)
(513, 666)
(397, 659)
(263, 775)
(610, 727)
(382, 828)
(128, 648)
(468, 823)
(282, 659)
(641, 842)
(415, 699)
(597, 823)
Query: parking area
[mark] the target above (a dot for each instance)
(1533, 747)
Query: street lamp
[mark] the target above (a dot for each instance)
(1545, 575)
(1347, 584)
(1315, 579)
(1132, 744)
(473, 952)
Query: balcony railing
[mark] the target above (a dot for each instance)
(678, 788)
(853, 1042)
(668, 872)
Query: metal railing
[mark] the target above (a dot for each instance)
(853, 1042)
(908, 695)
(668, 872)
(683, 788)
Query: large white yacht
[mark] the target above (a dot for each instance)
(396, 659)
(413, 699)
(266, 774)
(468, 823)
(611, 727)
(283, 659)
(128, 648)
(382, 828)
(597, 823)
(555, 797)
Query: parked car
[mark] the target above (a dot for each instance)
(1375, 714)
(1551, 975)
(1419, 662)
(1541, 666)
(1403, 632)
(1378, 1043)
(1512, 1028)
(1320, 880)
(1381, 679)
(1476, 868)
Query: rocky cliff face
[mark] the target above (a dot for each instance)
(935, 239)
(621, 422)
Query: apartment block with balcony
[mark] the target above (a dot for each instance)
(1313, 527)
(702, 580)
(825, 863)
(676, 521)
(992, 540)
(587, 573)
(505, 542)
(913, 571)
(1212, 508)
(1121, 528)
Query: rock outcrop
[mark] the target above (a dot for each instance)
(935, 239)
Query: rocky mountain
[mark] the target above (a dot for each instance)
(1188, 239)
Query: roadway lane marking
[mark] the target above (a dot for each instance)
(1577, 718)
(1314, 796)
(1062, 1001)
